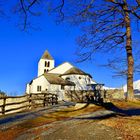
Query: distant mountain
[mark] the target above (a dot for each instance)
(136, 85)
(107, 88)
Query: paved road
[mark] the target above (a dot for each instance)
(8, 121)
(81, 127)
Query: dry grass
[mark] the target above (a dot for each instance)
(129, 126)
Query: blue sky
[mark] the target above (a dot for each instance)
(20, 53)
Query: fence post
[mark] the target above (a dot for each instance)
(52, 99)
(3, 106)
(71, 95)
(30, 100)
(44, 101)
(82, 98)
(56, 99)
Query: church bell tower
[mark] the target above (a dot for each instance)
(46, 63)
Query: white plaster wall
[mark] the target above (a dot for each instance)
(41, 66)
(27, 89)
(45, 87)
(56, 89)
(61, 69)
(81, 84)
(40, 81)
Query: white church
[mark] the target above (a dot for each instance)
(58, 79)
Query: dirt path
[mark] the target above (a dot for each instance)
(15, 119)
(73, 130)
(67, 123)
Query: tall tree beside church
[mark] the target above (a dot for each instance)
(106, 25)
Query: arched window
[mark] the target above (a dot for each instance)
(89, 80)
(46, 64)
(67, 78)
(62, 87)
(45, 70)
(49, 64)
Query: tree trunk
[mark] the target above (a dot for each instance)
(130, 60)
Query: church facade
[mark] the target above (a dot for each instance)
(59, 79)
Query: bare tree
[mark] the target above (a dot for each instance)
(2, 11)
(2, 93)
(106, 25)
(110, 30)
(26, 9)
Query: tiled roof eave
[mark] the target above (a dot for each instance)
(76, 74)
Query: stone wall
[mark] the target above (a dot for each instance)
(77, 96)
(84, 96)
(114, 94)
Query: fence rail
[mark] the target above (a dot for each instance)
(12, 104)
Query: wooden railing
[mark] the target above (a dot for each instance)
(11, 104)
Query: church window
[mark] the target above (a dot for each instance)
(45, 70)
(38, 88)
(79, 77)
(89, 80)
(48, 64)
(62, 87)
(67, 78)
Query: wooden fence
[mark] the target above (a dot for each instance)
(85, 96)
(12, 104)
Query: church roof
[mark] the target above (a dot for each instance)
(56, 79)
(75, 70)
(62, 68)
(47, 55)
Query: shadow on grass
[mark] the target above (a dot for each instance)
(99, 117)
(111, 111)
(125, 112)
